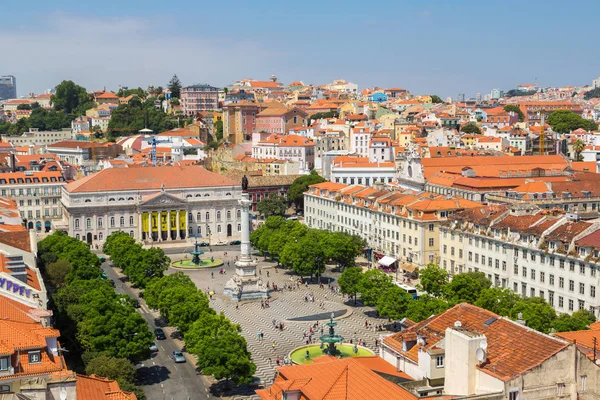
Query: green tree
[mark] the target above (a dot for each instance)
(372, 285)
(592, 94)
(578, 147)
(221, 351)
(322, 115)
(70, 98)
(343, 248)
(393, 303)
(470, 128)
(175, 87)
(272, 205)
(58, 271)
(425, 307)
(466, 287)
(350, 280)
(433, 279)
(435, 99)
(497, 300)
(537, 314)
(565, 121)
(300, 185)
(307, 255)
(24, 107)
(577, 321)
(130, 118)
(516, 109)
(119, 369)
(219, 130)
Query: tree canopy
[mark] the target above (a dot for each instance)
(565, 121)
(435, 99)
(136, 115)
(516, 109)
(272, 205)
(592, 94)
(349, 281)
(70, 98)
(175, 86)
(321, 115)
(433, 279)
(300, 185)
(470, 127)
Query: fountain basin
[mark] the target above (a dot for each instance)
(314, 350)
(189, 264)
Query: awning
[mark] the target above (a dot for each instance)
(408, 267)
(387, 261)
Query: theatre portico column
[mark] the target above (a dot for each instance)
(169, 225)
(177, 225)
(159, 222)
(140, 226)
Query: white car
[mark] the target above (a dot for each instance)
(221, 243)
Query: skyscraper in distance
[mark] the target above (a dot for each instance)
(8, 87)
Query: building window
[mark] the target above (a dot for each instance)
(198, 217)
(112, 222)
(99, 222)
(4, 388)
(3, 363)
(131, 220)
(100, 236)
(122, 221)
(592, 291)
(571, 285)
(131, 233)
(561, 282)
(439, 362)
(581, 288)
(88, 223)
(218, 216)
(218, 228)
(35, 357)
(239, 227)
(228, 215)
(431, 242)
(239, 214)
(583, 380)
(76, 223)
(431, 226)
(560, 302)
(513, 394)
(207, 216)
(571, 305)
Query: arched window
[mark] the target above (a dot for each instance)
(228, 215)
(99, 222)
(130, 198)
(131, 233)
(122, 221)
(87, 201)
(100, 236)
(198, 215)
(88, 223)
(218, 215)
(239, 214)
(190, 217)
(112, 222)
(239, 227)
(199, 230)
(111, 199)
(77, 237)
(218, 228)
(207, 216)
(77, 224)
(131, 220)
(121, 199)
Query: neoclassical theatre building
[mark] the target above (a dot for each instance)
(152, 204)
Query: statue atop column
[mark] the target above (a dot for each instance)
(245, 184)
(245, 284)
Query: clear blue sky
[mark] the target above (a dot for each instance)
(443, 47)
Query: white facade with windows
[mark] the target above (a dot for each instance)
(530, 260)
(176, 211)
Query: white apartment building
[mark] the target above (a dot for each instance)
(533, 253)
(401, 225)
(37, 194)
(359, 141)
(287, 147)
(359, 170)
(152, 204)
(380, 149)
(35, 137)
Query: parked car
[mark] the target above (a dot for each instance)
(136, 304)
(160, 334)
(204, 244)
(104, 276)
(102, 259)
(154, 347)
(112, 283)
(221, 243)
(235, 242)
(178, 357)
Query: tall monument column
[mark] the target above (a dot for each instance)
(244, 284)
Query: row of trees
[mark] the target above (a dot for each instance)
(565, 121)
(217, 343)
(376, 288)
(305, 250)
(138, 114)
(139, 264)
(97, 325)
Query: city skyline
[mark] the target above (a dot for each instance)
(406, 45)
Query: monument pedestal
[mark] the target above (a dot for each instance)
(244, 284)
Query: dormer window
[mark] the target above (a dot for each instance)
(3, 363)
(35, 357)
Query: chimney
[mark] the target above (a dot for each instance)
(13, 163)
(465, 350)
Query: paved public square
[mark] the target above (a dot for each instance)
(284, 305)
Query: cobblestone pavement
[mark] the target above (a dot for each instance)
(283, 305)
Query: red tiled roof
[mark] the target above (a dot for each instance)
(150, 178)
(97, 388)
(508, 343)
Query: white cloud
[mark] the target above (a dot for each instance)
(97, 52)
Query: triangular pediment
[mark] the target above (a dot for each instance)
(161, 198)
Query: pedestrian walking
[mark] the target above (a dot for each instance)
(274, 344)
